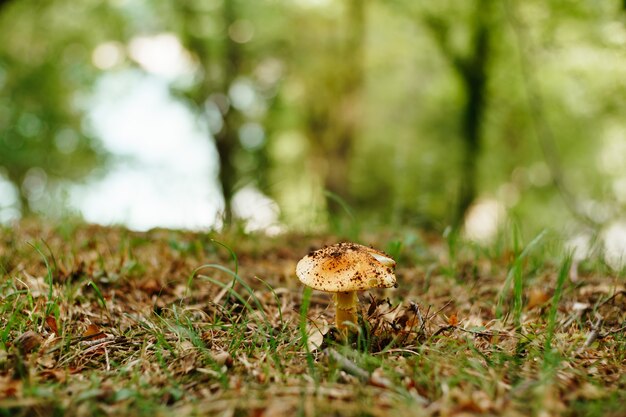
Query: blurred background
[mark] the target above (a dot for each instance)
(303, 114)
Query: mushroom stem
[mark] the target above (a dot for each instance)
(345, 304)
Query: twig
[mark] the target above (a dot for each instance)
(610, 332)
(485, 334)
(439, 311)
(423, 325)
(399, 350)
(374, 379)
(474, 332)
(414, 307)
(579, 310)
(106, 359)
(593, 334)
(611, 298)
(96, 342)
(96, 347)
(443, 329)
(347, 365)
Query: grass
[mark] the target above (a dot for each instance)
(103, 321)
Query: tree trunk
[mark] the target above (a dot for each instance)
(16, 177)
(473, 73)
(226, 140)
(4, 3)
(229, 57)
(472, 69)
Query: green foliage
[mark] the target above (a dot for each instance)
(45, 77)
(371, 105)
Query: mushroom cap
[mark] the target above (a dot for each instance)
(346, 267)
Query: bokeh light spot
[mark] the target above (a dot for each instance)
(108, 55)
(241, 31)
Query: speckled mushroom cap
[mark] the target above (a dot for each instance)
(346, 267)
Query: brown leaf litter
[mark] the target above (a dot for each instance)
(211, 344)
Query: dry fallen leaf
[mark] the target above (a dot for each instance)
(151, 286)
(10, 387)
(52, 325)
(93, 332)
(315, 335)
(222, 358)
(57, 375)
(28, 341)
(536, 297)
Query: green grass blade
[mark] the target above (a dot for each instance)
(100, 298)
(516, 275)
(304, 310)
(556, 298)
(49, 279)
(233, 255)
(231, 290)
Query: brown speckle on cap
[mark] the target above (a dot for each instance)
(346, 267)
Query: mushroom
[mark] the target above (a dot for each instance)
(344, 269)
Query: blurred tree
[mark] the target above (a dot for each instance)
(571, 106)
(45, 66)
(548, 89)
(472, 69)
(226, 73)
(226, 139)
(333, 100)
(391, 116)
(220, 59)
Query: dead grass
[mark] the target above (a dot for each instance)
(133, 326)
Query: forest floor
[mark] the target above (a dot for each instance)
(104, 321)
